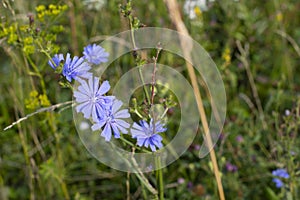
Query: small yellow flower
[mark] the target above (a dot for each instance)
(226, 56)
(40, 8)
(198, 11)
(24, 28)
(55, 12)
(41, 16)
(44, 100)
(28, 49)
(35, 100)
(12, 38)
(52, 7)
(33, 94)
(279, 17)
(63, 7)
(28, 40)
(32, 102)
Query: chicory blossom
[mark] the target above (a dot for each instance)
(76, 67)
(112, 121)
(278, 182)
(57, 58)
(95, 54)
(90, 97)
(147, 134)
(282, 173)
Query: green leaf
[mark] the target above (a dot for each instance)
(271, 194)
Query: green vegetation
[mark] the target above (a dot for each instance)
(255, 45)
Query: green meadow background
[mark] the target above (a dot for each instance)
(255, 45)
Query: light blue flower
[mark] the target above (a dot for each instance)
(56, 60)
(90, 97)
(112, 121)
(147, 134)
(282, 173)
(95, 54)
(277, 182)
(75, 68)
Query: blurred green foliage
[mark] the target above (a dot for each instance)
(43, 158)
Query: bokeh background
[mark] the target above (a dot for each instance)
(255, 45)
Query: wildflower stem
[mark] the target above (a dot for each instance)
(143, 179)
(135, 49)
(243, 57)
(144, 86)
(159, 173)
(164, 113)
(159, 178)
(138, 113)
(153, 75)
(138, 173)
(133, 145)
(51, 108)
(132, 32)
(128, 186)
(37, 73)
(175, 16)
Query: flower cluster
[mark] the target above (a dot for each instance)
(51, 10)
(103, 110)
(107, 115)
(279, 173)
(78, 67)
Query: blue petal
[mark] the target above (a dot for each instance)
(104, 88)
(137, 133)
(98, 125)
(106, 133)
(122, 114)
(122, 123)
(115, 130)
(140, 141)
(152, 147)
(116, 106)
(136, 126)
(122, 129)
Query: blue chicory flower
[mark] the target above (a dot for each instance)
(282, 173)
(90, 97)
(277, 182)
(147, 134)
(95, 54)
(57, 58)
(112, 121)
(76, 67)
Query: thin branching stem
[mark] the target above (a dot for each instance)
(47, 109)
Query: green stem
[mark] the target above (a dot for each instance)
(140, 67)
(133, 145)
(138, 113)
(38, 73)
(144, 86)
(132, 32)
(144, 193)
(138, 173)
(159, 178)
